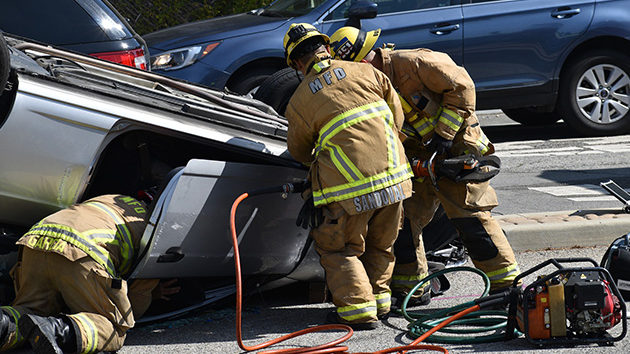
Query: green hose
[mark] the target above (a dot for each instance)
(474, 323)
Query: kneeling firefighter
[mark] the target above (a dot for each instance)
(438, 98)
(71, 296)
(344, 121)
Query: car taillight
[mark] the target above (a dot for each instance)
(134, 58)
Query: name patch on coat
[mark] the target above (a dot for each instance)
(378, 199)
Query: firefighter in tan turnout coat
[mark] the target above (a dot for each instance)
(438, 98)
(74, 262)
(344, 120)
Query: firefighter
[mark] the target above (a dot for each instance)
(71, 295)
(438, 98)
(344, 120)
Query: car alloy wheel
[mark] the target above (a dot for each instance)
(594, 97)
(603, 93)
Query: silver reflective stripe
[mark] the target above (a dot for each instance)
(368, 184)
(339, 158)
(79, 241)
(328, 133)
(121, 226)
(501, 276)
(392, 147)
(363, 310)
(454, 121)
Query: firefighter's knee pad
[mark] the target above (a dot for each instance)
(476, 239)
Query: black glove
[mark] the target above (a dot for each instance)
(439, 144)
(309, 216)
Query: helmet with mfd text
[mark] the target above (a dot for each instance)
(297, 37)
(352, 44)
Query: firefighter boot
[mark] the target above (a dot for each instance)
(50, 335)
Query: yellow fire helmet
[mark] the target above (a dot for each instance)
(352, 44)
(298, 33)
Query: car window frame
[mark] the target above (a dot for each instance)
(321, 18)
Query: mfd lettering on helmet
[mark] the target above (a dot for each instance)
(317, 85)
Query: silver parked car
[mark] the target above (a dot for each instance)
(73, 127)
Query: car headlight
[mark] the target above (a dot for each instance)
(181, 57)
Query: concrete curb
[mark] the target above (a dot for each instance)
(564, 229)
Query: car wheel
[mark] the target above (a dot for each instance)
(531, 117)
(249, 82)
(595, 93)
(278, 88)
(5, 64)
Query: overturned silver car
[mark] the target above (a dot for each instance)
(73, 127)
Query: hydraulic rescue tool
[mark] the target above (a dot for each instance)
(465, 168)
(571, 305)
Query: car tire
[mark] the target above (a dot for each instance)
(250, 81)
(531, 117)
(278, 88)
(5, 63)
(594, 91)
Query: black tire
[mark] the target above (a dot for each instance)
(249, 81)
(5, 63)
(598, 108)
(531, 117)
(278, 88)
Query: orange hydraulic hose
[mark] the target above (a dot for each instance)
(329, 347)
(324, 348)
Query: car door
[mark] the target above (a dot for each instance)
(520, 43)
(433, 24)
(189, 233)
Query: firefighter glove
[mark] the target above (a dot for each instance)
(439, 144)
(309, 216)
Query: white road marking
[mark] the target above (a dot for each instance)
(565, 191)
(578, 193)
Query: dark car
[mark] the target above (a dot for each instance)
(91, 27)
(537, 60)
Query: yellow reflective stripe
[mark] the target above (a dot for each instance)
(343, 163)
(364, 186)
(483, 143)
(349, 118)
(406, 107)
(126, 246)
(355, 312)
(393, 155)
(423, 126)
(451, 119)
(408, 281)
(91, 335)
(383, 300)
(16, 318)
(504, 274)
(74, 237)
(409, 130)
(321, 65)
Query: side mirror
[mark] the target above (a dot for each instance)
(359, 10)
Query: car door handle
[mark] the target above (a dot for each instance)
(444, 29)
(564, 12)
(172, 255)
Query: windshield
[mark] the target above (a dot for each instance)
(291, 8)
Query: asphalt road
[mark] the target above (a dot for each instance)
(273, 314)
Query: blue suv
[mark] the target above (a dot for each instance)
(538, 60)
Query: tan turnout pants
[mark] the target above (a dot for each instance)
(357, 254)
(48, 284)
(468, 206)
